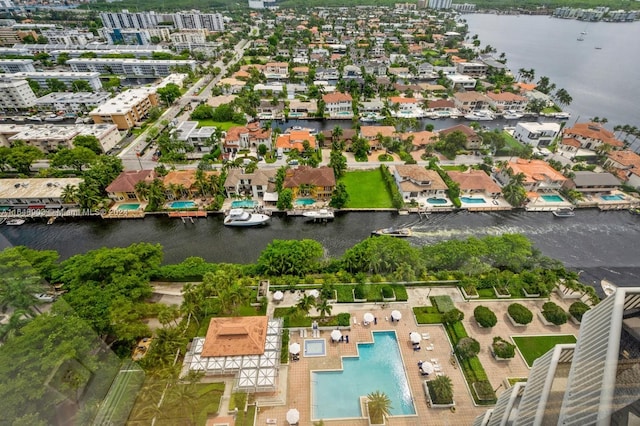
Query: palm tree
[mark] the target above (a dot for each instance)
(442, 389)
(379, 407)
(514, 194)
(306, 303)
(18, 319)
(324, 308)
(69, 194)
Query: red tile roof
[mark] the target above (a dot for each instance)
(127, 180)
(331, 98)
(236, 336)
(305, 175)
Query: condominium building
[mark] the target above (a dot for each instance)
(595, 381)
(440, 4)
(68, 36)
(189, 37)
(129, 67)
(127, 109)
(126, 19)
(16, 65)
(16, 94)
(127, 36)
(36, 193)
(196, 20)
(50, 137)
(182, 20)
(43, 78)
(71, 102)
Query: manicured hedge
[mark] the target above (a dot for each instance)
(520, 313)
(443, 303)
(554, 313)
(502, 348)
(485, 316)
(390, 182)
(578, 309)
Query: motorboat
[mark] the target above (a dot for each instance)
(240, 217)
(562, 115)
(54, 117)
(480, 116)
(34, 118)
(608, 287)
(564, 212)
(371, 118)
(15, 222)
(322, 214)
(393, 232)
(512, 115)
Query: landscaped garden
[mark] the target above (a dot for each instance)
(366, 190)
(533, 347)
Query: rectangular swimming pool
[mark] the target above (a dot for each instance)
(182, 205)
(240, 204)
(379, 367)
(470, 200)
(305, 201)
(315, 347)
(552, 198)
(616, 197)
(130, 206)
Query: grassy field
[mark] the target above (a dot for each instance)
(226, 125)
(533, 347)
(366, 190)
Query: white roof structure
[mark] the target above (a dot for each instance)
(252, 372)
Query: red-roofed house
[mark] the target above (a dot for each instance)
(338, 105)
(592, 135)
(307, 181)
(625, 165)
(474, 141)
(539, 175)
(417, 182)
(276, 70)
(419, 139)
(123, 188)
(245, 137)
(507, 101)
(295, 140)
(406, 107)
(475, 182)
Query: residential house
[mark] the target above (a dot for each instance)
(231, 85)
(295, 139)
(201, 138)
(624, 164)
(123, 188)
(472, 69)
(256, 184)
(400, 73)
(300, 72)
(588, 182)
(592, 135)
(474, 141)
(351, 71)
(405, 107)
(373, 134)
(463, 81)
(276, 70)
(475, 182)
(415, 181)
(267, 110)
(539, 176)
(347, 137)
(245, 137)
(507, 101)
(338, 105)
(470, 101)
(536, 134)
(440, 105)
(303, 109)
(419, 140)
(306, 181)
(180, 184)
(372, 106)
(425, 71)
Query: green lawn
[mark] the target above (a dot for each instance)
(533, 347)
(226, 125)
(366, 190)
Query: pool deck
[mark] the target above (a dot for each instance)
(296, 393)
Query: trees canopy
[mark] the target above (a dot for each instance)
(290, 257)
(169, 93)
(76, 158)
(380, 255)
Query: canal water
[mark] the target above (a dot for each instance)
(599, 243)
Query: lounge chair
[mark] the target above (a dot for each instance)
(272, 421)
(426, 336)
(416, 348)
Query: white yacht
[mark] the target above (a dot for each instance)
(322, 214)
(512, 115)
(480, 115)
(15, 222)
(564, 212)
(239, 217)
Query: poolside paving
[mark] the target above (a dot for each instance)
(298, 381)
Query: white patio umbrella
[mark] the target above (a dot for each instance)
(427, 367)
(368, 317)
(336, 335)
(314, 293)
(293, 416)
(278, 295)
(415, 337)
(294, 348)
(396, 315)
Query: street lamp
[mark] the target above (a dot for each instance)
(139, 161)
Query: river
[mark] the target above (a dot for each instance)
(603, 244)
(603, 82)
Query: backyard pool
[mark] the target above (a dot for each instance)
(379, 367)
(182, 205)
(436, 201)
(305, 201)
(243, 204)
(131, 206)
(471, 200)
(616, 197)
(552, 198)
(315, 347)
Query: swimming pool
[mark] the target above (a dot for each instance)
(315, 347)
(240, 204)
(131, 206)
(552, 198)
(469, 200)
(616, 197)
(436, 201)
(182, 205)
(336, 394)
(305, 201)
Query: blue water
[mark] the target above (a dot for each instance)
(239, 204)
(305, 201)
(436, 201)
(182, 205)
(552, 198)
(315, 347)
(336, 394)
(132, 206)
(616, 197)
(470, 200)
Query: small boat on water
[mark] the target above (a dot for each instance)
(240, 217)
(608, 287)
(15, 222)
(512, 115)
(480, 116)
(51, 220)
(393, 232)
(54, 118)
(322, 214)
(564, 212)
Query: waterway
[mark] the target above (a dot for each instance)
(600, 72)
(603, 244)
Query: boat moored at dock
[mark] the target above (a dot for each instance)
(240, 217)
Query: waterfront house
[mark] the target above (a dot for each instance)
(123, 188)
(405, 107)
(539, 176)
(625, 165)
(270, 111)
(472, 69)
(245, 137)
(338, 105)
(306, 181)
(181, 184)
(255, 184)
(347, 137)
(436, 106)
(536, 134)
(592, 135)
(416, 181)
(295, 139)
(461, 81)
(36, 193)
(419, 140)
(470, 101)
(474, 141)
(474, 182)
(506, 101)
(588, 183)
(303, 109)
(374, 134)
